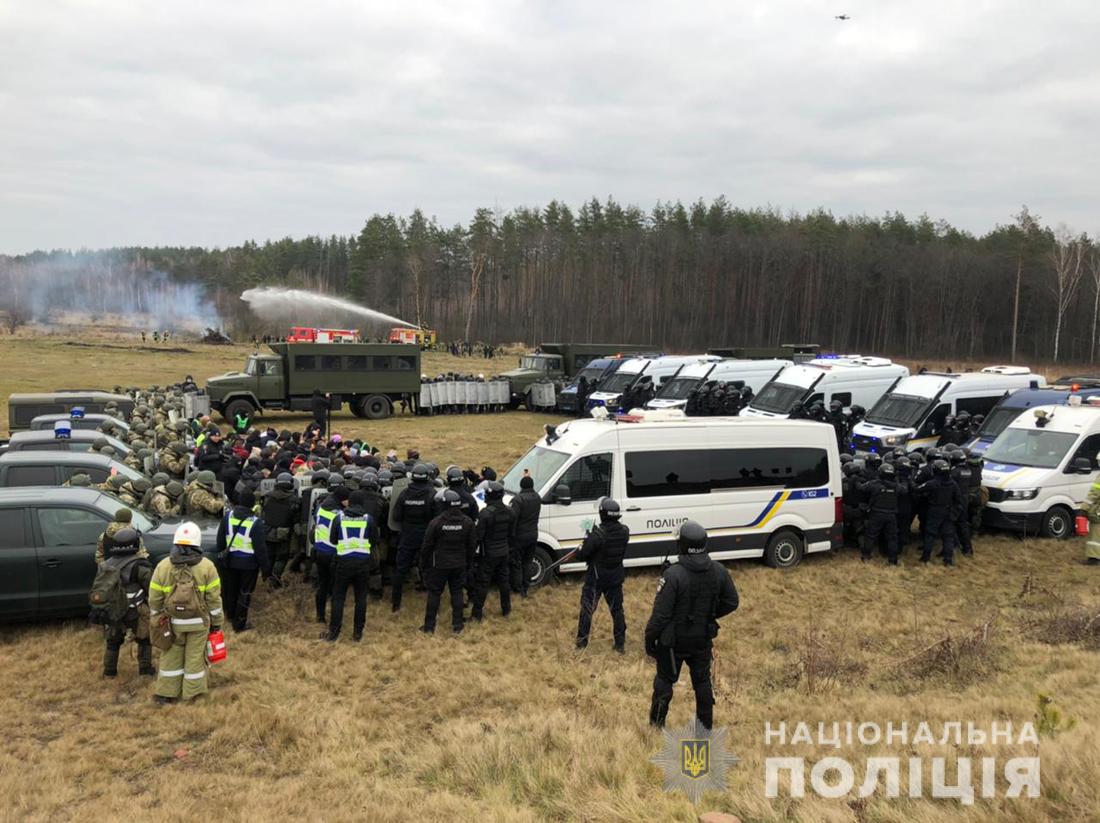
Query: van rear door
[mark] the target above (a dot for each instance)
(18, 565)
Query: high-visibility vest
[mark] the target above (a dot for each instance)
(354, 537)
(322, 532)
(239, 536)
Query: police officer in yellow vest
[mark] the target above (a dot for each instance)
(242, 556)
(355, 534)
(324, 545)
(1092, 509)
(186, 588)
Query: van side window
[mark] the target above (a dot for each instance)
(11, 529)
(845, 397)
(934, 424)
(976, 405)
(70, 527)
(31, 476)
(1088, 449)
(785, 468)
(589, 478)
(665, 473)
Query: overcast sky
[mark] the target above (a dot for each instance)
(210, 123)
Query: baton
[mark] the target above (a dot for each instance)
(557, 563)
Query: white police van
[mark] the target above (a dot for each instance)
(639, 369)
(1039, 470)
(913, 414)
(851, 379)
(754, 373)
(761, 488)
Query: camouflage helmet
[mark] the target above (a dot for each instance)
(143, 409)
(181, 426)
(143, 453)
(180, 448)
(141, 484)
(174, 488)
(108, 451)
(116, 481)
(206, 479)
(160, 478)
(100, 443)
(138, 445)
(80, 479)
(139, 428)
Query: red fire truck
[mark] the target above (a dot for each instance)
(305, 334)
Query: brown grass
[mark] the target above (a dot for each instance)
(507, 723)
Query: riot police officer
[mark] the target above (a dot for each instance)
(882, 517)
(449, 546)
(944, 501)
(496, 529)
(691, 595)
(604, 549)
(412, 512)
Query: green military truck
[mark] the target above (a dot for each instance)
(559, 361)
(368, 377)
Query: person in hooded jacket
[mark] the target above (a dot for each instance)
(692, 595)
(243, 555)
(280, 511)
(604, 549)
(527, 505)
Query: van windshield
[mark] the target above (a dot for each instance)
(997, 422)
(541, 463)
(779, 398)
(619, 382)
(678, 388)
(590, 374)
(1031, 447)
(902, 410)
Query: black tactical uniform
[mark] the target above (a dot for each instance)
(527, 505)
(962, 474)
(413, 512)
(882, 516)
(496, 526)
(449, 546)
(691, 596)
(280, 511)
(604, 550)
(944, 502)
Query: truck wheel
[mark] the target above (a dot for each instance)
(236, 407)
(784, 550)
(540, 562)
(375, 407)
(357, 407)
(1057, 523)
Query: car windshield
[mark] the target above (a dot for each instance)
(540, 363)
(780, 398)
(902, 410)
(541, 463)
(618, 382)
(1030, 447)
(997, 422)
(678, 388)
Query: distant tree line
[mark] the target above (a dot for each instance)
(687, 277)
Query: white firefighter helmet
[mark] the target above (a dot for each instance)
(188, 534)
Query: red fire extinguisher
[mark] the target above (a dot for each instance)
(1082, 525)
(215, 647)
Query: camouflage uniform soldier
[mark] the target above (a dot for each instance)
(167, 500)
(106, 541)
(158, 480)
(173, 460)
(79, 479)
(1092, 509)
(200, 498)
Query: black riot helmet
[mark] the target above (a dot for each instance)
(494, 491)
(369, 481)
(455, 477)
(126, 541)
(940, 467)
(933, 454)
(284, 481)
(846, 457)
(419, 473)
(609, 510)
(887, 471)
(852, 467)
(835, 406)
(320, 477)
(691, 538)
(452, 499)
(874, 460)
(958, 457)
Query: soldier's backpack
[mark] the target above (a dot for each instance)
(107, 598)
(183, 602)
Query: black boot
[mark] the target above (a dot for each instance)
(145, 659)
(110, 661)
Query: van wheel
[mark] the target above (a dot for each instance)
(785, 550)
(237, 407)
(1057, 523)
(540, 562)
(375, 407)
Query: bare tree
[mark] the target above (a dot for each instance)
(1094, 271)
(477, 266)
(1067, 255)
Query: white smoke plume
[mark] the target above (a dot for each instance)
(60, 288)
(300, 307)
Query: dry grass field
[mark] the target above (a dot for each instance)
(507, 722)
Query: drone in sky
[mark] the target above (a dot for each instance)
(842, 17)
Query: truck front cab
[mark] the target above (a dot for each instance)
(532, 367)
(261, 383)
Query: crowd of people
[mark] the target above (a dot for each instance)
(347, 518)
